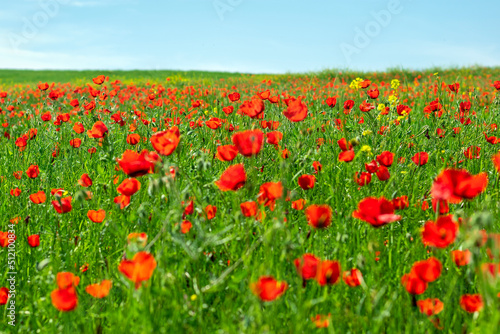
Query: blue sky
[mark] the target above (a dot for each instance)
(254, 36)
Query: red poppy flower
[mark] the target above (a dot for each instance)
(75, 143)
(226, 152)
(64, 299)
(5, 240)
(366, 107)
(233, 97)
(328, 272)
(346, 156)
(274, 137)
(123, 201)
(413, 284)
(96, 216)
(4, 295)
(352, 277)
(62, 205)
(344, 145)
(34, 240)
(400, 203)
(99, 290)
(43, 86)
(454, 87)
(298, 204)
(331, 102)
(472, 152)
(385, 158)
(133, 139)
(306, 181)
(249, 209)
(440, 234)
(186, 225)
(454, 185)
(99, 130)
(348, 105)
(85, 180)
(15, 192)
(134, 164)
(269, 192)
(428, 270)
(33, 171)
(430, 306)
(233, 178)
(383, 173)
(420, 159)
(371, 167)
(210, 211)
(376, 211)
(228, 110)
(99, 79)
(296, 111)
(317, 166)
(165, 142)
(461, 258)
(265, 94)
(319, 216)
(128, 187)
(307, 266)
(268, 289)
(248, 142)
(373, 93)
(496, 84)
(362, 178)
(253, 108)
(471, 303)
(139, 269)
(38, 197)
(78, 127)
(189, 209)
(213, 123)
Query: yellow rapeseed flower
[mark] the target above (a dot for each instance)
(366, 148)
(356, 83)
(395, 84)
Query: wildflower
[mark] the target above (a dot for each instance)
(267, 288)
(139, 269)
(233, 178)
(319, 216)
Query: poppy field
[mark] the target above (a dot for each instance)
(326, 202)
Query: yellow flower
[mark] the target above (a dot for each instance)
(206, 112)
(366, 148)
(356, 83)
(193, 297)
(393, 99)
(395, 84)
(367, 132)
(381, 107)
